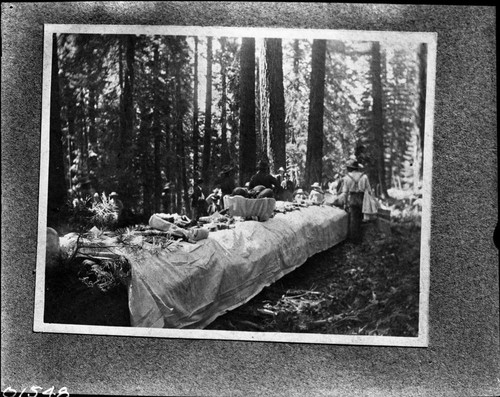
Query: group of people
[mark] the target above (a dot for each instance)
(90, 198)
(351, 192)
(280, 185)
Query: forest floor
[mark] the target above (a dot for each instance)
(370, 288)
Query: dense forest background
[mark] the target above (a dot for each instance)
(145, 116)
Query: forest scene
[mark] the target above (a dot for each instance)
(146, 118)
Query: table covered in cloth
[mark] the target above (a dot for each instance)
(195, 283)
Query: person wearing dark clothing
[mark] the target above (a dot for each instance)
(288, 188)
(226, 182)
(354, 185)
(198, 202)
(263, 177)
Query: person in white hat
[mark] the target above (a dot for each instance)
(299, 196)
(317, 196)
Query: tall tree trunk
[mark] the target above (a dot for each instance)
(169, 150)
(92, 138)
(144, 155)
(208, 119)
(273, 104)
(248, 140)
(263, 102)
(196, 128)
(314, 166)
(378, 118)
(296, 61)
(157, 128)
(83, 140)
(422, 56)
(225, 159)
(259, 151)
(182, 181)
(296, 83)
(57, 189)
(125, 182)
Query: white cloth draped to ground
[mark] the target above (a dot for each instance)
(194, 284)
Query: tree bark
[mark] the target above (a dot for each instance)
(157, 128)
(125, 182)
(314, 166)
(144, 155)
(169, 150)
(196, 127)
(180, 111)
(378, 118)
(248, 140)
(208, 119)
(57, 189)
(422, 56)
(225, 159)
(272, 104)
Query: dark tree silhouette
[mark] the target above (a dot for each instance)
(208, 119)
(248, 139)
(316, 110)
(378, 119)
(57, 182)
(273, 104)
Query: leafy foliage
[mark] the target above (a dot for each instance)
(95, 69)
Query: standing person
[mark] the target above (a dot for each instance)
(288, 188)
(280, 189)
(263, 177)
(354, 185)
(226, 182)
(117, 205)
(198, 202)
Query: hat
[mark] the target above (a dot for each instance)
(226, 168)
(352, 164)
(113, 194)
(300, 191)
(281, 169)
(316, 185)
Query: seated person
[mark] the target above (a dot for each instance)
(117, 204)
(214, 201)
(300, 197)
(317, 196)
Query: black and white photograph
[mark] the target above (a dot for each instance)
(249, 199)
(236, 183)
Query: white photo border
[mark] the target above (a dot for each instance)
(422, 340)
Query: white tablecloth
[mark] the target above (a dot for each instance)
(194, 284)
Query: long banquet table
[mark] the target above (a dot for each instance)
(192, 285)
